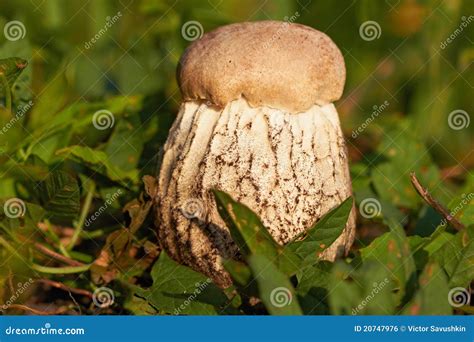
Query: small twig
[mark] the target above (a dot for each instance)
(45, 250)
(66, 288)
(423, 192)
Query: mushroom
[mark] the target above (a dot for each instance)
(257, 122)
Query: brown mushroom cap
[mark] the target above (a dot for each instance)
(269, 63)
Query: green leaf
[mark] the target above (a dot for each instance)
(393, 250)
(324, 232)
(136, 304)
(239, 271)
(363, 291)
(432, 297)
(125, 145)
(179, 290)
(313, 288)
(98, 161)
(462, 207)
(275, 289)
(60, 196)
(404, 154)
(456, 256)
(245, 227)
(251, 235)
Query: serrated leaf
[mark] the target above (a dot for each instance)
(251, 236)
(432, 296)
(404, 153)
(363, 291)
(59, 195)
(324, 232)
(456, 256)
(125, 145)
(313, 288)
(276, 290)
(393, 250)
(245, 227)
(179, 290)
(98, 161)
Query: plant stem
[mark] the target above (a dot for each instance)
(79, 226)
(51, 234)
(60, 270)
(66, 288)
(45, 250)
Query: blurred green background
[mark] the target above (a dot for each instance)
(405, 75)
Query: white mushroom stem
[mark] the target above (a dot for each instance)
(289, 168)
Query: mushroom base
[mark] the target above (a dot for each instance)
(288, 168)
